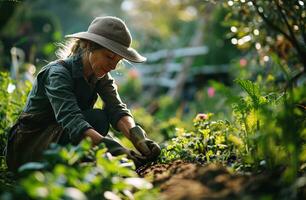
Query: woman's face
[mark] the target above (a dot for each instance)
(103, 61)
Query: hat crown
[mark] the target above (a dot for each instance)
(111, 28)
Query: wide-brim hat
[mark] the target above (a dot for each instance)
(113, 34)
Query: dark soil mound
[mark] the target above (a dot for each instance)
(183, 181)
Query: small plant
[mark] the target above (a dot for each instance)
(209, 141)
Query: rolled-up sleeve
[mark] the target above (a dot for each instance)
(59, 90)
(113, 105)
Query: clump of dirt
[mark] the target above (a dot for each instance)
(183, 181)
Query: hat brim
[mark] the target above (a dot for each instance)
(126, 52)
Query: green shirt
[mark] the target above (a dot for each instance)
(63, 92)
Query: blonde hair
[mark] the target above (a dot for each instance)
(72, 46)
(67, 48)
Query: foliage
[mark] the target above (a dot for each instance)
(33, 33)
(131, 88)
(259, 137)
(215, 39)
(13, 98)
(80, 172)
(216, 98)
(284, 138)
(258, 124)
(158, 128)
(208, 142)
(268, 138)
(166, 19)
(274, 28)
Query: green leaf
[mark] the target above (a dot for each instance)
(251, 88)
(32, 166)
(139, 183)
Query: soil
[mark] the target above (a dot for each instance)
(188, 181)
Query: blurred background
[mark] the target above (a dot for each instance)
(195, 50)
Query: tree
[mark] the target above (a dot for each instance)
(275, 26)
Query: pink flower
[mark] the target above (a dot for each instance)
(211, 91)
(133, 73)
(243, 62)
(201, 116)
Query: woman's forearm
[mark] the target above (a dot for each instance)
(125, 124)
(94, 136)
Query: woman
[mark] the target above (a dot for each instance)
(59, 107)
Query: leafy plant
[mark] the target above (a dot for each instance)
(12, 98)
(80, 172)
(209, 141)
(259, 137)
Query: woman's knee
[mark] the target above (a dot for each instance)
(98, 119)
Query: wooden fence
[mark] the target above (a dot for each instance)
(161, 70)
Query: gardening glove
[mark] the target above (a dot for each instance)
(144, 145)
(117, 149)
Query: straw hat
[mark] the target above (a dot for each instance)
(113, 34)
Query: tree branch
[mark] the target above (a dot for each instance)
(294, 41)
(302, 24)
(268, 22)
(291, 37)
(293, 80)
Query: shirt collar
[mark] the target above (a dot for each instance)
(75, 61)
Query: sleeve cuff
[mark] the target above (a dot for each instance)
(76, 138)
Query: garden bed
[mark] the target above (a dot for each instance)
(182, 180)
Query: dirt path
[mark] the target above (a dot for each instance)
(189, 181)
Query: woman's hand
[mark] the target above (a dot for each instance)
(115, 148)
(137, 135)
(144, 145)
